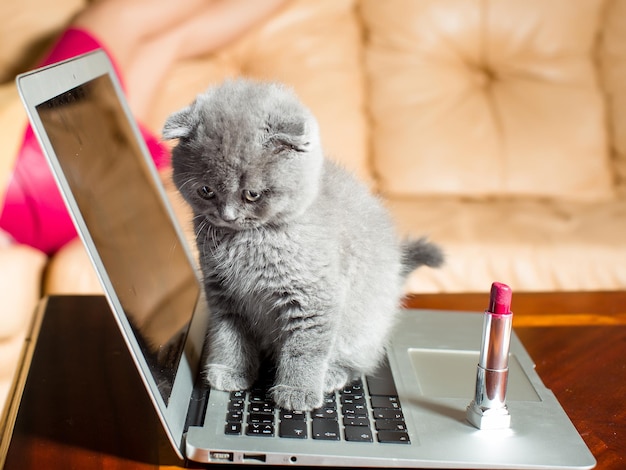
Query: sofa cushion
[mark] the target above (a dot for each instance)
(612, 58)
(480, 98)
(530, 245)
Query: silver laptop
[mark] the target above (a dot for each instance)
(409, 414)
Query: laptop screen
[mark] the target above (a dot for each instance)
(114, 192)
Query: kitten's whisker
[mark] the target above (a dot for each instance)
(186, 182)
(213, 238)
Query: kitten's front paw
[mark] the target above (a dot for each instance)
(294, 398)
(335, 379)
(228, 379)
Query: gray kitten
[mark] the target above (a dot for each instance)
(300, 262)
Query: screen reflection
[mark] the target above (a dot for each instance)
(129, 224)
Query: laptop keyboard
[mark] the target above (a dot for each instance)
(365, 411)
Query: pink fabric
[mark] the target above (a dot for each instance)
(34, 212)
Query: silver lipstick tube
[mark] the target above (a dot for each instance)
(488, 410)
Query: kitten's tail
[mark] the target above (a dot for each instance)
(416, 253)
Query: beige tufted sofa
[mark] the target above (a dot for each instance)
(496, 127)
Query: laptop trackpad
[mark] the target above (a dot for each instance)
(452, 374)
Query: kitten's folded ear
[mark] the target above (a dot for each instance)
(291, 133)
(179, 124)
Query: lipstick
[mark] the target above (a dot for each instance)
(488, 410)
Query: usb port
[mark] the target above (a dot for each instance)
(255, 457)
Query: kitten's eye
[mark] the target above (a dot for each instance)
(283, 146)
(251, 196)
(280, 145)
(206, 193)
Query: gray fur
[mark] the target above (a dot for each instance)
(310, 274)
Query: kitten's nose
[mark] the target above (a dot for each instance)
(228, 214)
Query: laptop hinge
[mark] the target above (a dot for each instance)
(198, 404)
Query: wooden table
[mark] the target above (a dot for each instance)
(582, 358)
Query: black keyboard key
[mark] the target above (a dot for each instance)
(258, 429)
(234, 416)
(238, 395)
(355, 411)
(381, 381)
(354, 387)
(295, 415)
(394, 437)
(391, 402)
(382, 413)
(348, 421)
(324, 413)
(329, 401)
(292, 428)
(233, 428)
(358, 434)
(236, 405)
(265, 418)
(257, 396)
(326, 429)
(390, 425)
(353, 399)
(261, 407)
(383, 387)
